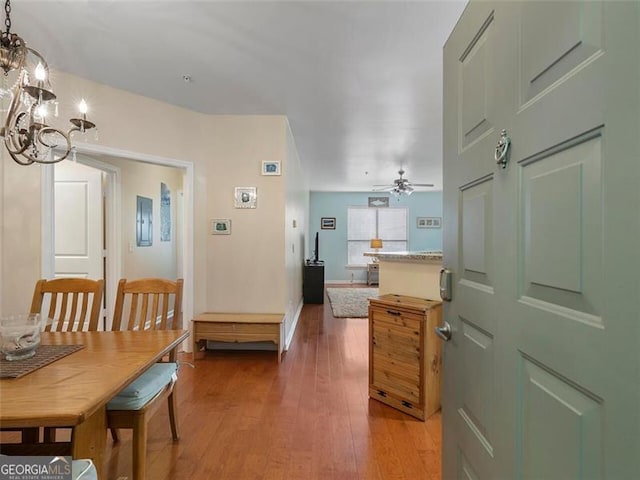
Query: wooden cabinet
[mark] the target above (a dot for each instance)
(405, 358)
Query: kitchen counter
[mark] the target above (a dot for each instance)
(429, 256)
(415, 274)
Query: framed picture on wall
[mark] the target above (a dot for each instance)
(270, 168)
(429, 222)
(144, 221)
(221, 226)
(328, 223)
(246, 197)
(378, 202)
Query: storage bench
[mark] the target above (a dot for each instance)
(238, 328)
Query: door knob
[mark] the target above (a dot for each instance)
(444, 332)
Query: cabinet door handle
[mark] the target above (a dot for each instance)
(394, 312)
(406, 404)
(382, 393)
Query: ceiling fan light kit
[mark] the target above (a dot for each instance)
(27, 136)
(401, 186)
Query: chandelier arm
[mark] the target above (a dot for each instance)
(15, 157)
(46, 130)
(13, 140)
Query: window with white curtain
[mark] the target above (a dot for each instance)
(364, 223)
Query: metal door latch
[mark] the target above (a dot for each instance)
(502, 149)
(445, 284)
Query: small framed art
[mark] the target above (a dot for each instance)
(270, 168)
(221, 226)
(328, 223)
(246, 197)
(378, 201)
(429, 222)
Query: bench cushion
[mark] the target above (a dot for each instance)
(145, 387)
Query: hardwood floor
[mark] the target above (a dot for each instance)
(243, 416)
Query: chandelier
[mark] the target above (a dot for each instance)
(27, 136)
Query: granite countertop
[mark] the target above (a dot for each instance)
(406, 256)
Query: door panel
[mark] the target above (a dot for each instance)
(572, 36)
(561, 426)
(476, 217)
(78, 221)
(475, 105)
(540, 378)
(561, 225)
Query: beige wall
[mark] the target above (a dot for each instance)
(244, 271)
(296, 211)
(138, 178)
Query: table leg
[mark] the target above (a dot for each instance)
(88, 439)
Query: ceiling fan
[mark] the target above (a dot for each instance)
(401, 186)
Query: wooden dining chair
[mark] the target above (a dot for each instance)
(74, 304)
(144, 304)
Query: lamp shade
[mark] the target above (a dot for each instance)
(376, 243)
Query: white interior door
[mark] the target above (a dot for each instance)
(78, 221)
(540, 377)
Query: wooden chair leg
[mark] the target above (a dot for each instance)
(114, 435)
(30, 435)
(139, 447)
(173, 418)
(49, 435)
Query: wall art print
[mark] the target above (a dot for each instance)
(165, 213)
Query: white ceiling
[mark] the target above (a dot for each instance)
(361, 82)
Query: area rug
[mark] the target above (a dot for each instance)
(351, 302)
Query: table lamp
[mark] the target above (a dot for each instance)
(376, 243)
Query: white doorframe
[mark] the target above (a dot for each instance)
(114, 268)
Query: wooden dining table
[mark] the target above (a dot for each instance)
(74, 390)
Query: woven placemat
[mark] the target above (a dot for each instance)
(45, 355)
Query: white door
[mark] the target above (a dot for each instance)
(541, 374)
(78, 221)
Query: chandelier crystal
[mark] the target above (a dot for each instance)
(27, 136)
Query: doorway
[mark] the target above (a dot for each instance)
(114, 251)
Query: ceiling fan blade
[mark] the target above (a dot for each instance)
(384, 188)
(422, 184)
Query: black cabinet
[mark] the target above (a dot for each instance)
(313, 282)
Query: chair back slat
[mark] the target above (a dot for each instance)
(146, 304)
(154, 312)
(165, 313)
(74, 303)
(74, 312)
(142, 318)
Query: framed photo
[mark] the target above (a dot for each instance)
(270, 168)
(221, 226)
(429, 222)
(144, 221)
(378, 201)
(246, 197)
(328, 223)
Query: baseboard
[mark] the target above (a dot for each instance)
(294, 325)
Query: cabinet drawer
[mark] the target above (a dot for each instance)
(405, 357)
(397, 386)
(400, 367)
(384, 335)
(405, 321)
